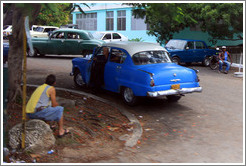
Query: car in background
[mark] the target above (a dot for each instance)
(138, 69)
(33, 28)
(42, 31)
(188, 51)
(7, 30)
(109, 36)
(73, 26)
(5, 51)
(65, 42)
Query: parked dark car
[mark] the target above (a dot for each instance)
(65, 42)
(188, 51)
(5, 52)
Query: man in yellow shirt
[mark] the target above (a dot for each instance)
(43, 105)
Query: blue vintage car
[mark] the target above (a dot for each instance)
(189, 51)
(137, 69)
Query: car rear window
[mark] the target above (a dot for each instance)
(150, 57)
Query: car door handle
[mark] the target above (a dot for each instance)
(62, 41)
(118, 67)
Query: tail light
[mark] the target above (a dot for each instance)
(152, 82)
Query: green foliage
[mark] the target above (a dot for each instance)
(220, 20)
(137, 39)
(164, 19)
(54, 14)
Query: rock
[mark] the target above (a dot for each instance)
(124, 137)
(65, 102)
(39, 136)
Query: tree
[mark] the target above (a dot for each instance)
(15, 14)
(220, 20)
(47, 16)
(163, 19)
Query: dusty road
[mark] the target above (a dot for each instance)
(204, 127)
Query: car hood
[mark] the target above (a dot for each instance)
(169, 73)
(173, 50)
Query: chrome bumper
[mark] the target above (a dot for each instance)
(174, 92)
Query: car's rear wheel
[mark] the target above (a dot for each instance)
(78, 79)
(173, 98)
(34, 54)
(206, 61)
(128, 96)
(176, 60)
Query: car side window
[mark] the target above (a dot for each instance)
(46, 29)
(116, 36)
(58, 35)
(117, 56)
(190, 45)
(72, 35)
(107, 36)
(200, 45)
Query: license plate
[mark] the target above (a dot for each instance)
(175, 86)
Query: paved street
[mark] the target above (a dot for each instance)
(202, 127)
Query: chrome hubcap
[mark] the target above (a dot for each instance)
(79, 79)
(207, 61)
(128, 94)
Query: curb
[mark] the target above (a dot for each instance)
(137, 129)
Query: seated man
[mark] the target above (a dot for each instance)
(223, 57)
(39, 105)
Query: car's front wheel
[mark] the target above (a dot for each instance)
(78, 79)
(173, 98)
(128, 96)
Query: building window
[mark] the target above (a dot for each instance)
(110, 21)
(87, 21)
(138, 23)
(121, 20)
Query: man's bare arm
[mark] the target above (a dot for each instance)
(53, 97)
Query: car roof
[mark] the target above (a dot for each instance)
(46, 26)
(187, 39)
(71, 29)
(135, 47)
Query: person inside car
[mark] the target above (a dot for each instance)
(223, 59)
(97, 72)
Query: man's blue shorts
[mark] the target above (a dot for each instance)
(48, 114)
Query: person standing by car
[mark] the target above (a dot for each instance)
(43, 105)
(223, 59)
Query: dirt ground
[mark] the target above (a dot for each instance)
(95, 128)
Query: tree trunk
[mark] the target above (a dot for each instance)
(15, 56)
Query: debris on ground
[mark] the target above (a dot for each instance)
(95, 131)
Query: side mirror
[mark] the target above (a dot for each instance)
(187, 48)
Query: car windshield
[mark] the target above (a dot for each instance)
(176, 44)
(39, 29)
(150, 57)
(98, 35)
(90, 35)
